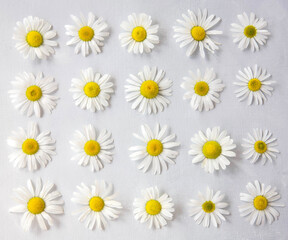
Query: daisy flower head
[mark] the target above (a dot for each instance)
(253, 85)
(92, 148)
(157, 151)
(203, 90)
(34, 38)
(148, 90)
(251, 31)
(260, 145)
(98, 204)
(260, 203)
(37, 201)
(139, 36)
(32, 148)
(153, 208)
(33, 94)
(196, 31)
(87, 33)
(212, 149)
(209, 208)
(92, 91)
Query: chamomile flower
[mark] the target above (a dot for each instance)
(34, 38)
(39, 202)
(196, 31)
(250, 31)
(87, 33)
(209, 208)
(253, 85)
(153, 208)
(157, 151)
(202, 90)
(32, 148)
(33, 94)
(92, 148)
(260, 145)
(92, 91)
(212, 149)
(98, 204)
(139, 36)
(149, 90)
(260, 203)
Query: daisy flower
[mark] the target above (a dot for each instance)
(32, 148)
(157, 151)
(195, 31)
(209, 208)
(92, 91)
(39, 202)
(202, 90)
(212, 149)
(98, 204)
(34, 38)
(253, 85)
(33, 94)
(149, 90)
(91, 148)
(140, 36)
(153, 208)
(260, 203)
(87, 34)
(250, 31)
(260, 145)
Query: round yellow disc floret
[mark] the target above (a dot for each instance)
(154, 147)
(33, 93)
(208, 206)
(139, 34)
(34, 39)
(201, 88)
(260, 147)
(250, 31)
(96, 204)
(260, 202)
(153, 207)
(198, 33)
(30, 146)
(92, 89)
(86, 33)
(211, 149)
(254, 84)
(92, 148)
(36, 205)
(149, 89)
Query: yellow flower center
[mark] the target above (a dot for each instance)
(153, 207)
(139, 34)
(30, 146)
(96, 204)
(208, 207)
(260, 202)
(86, 33)
(149, 89)
(92, 89)
(250, 31)
(33, 93)
(34, 39)
(36, 205)
(201, 88)
(92, 148)
(260, 147)
(154, 147)
(211, 149)
(254, 84)
(198, 33)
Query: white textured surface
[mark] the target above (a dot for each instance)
(181, 181)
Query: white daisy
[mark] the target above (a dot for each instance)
(157, 150)
(33, 94)
(32, 148)
(250, 31)
(98, 204)
(253, 85)
(39, 202)
(202, 90)
(259, 203)
(91, 148)
(195, 30)
(209, 207)
(153, 208)
(140, 36)
(34, 38)
(212, 149)
(87, 34)
(260, 144)
(149, 90)
(92, 91)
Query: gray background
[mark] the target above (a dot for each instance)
(181, 181)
